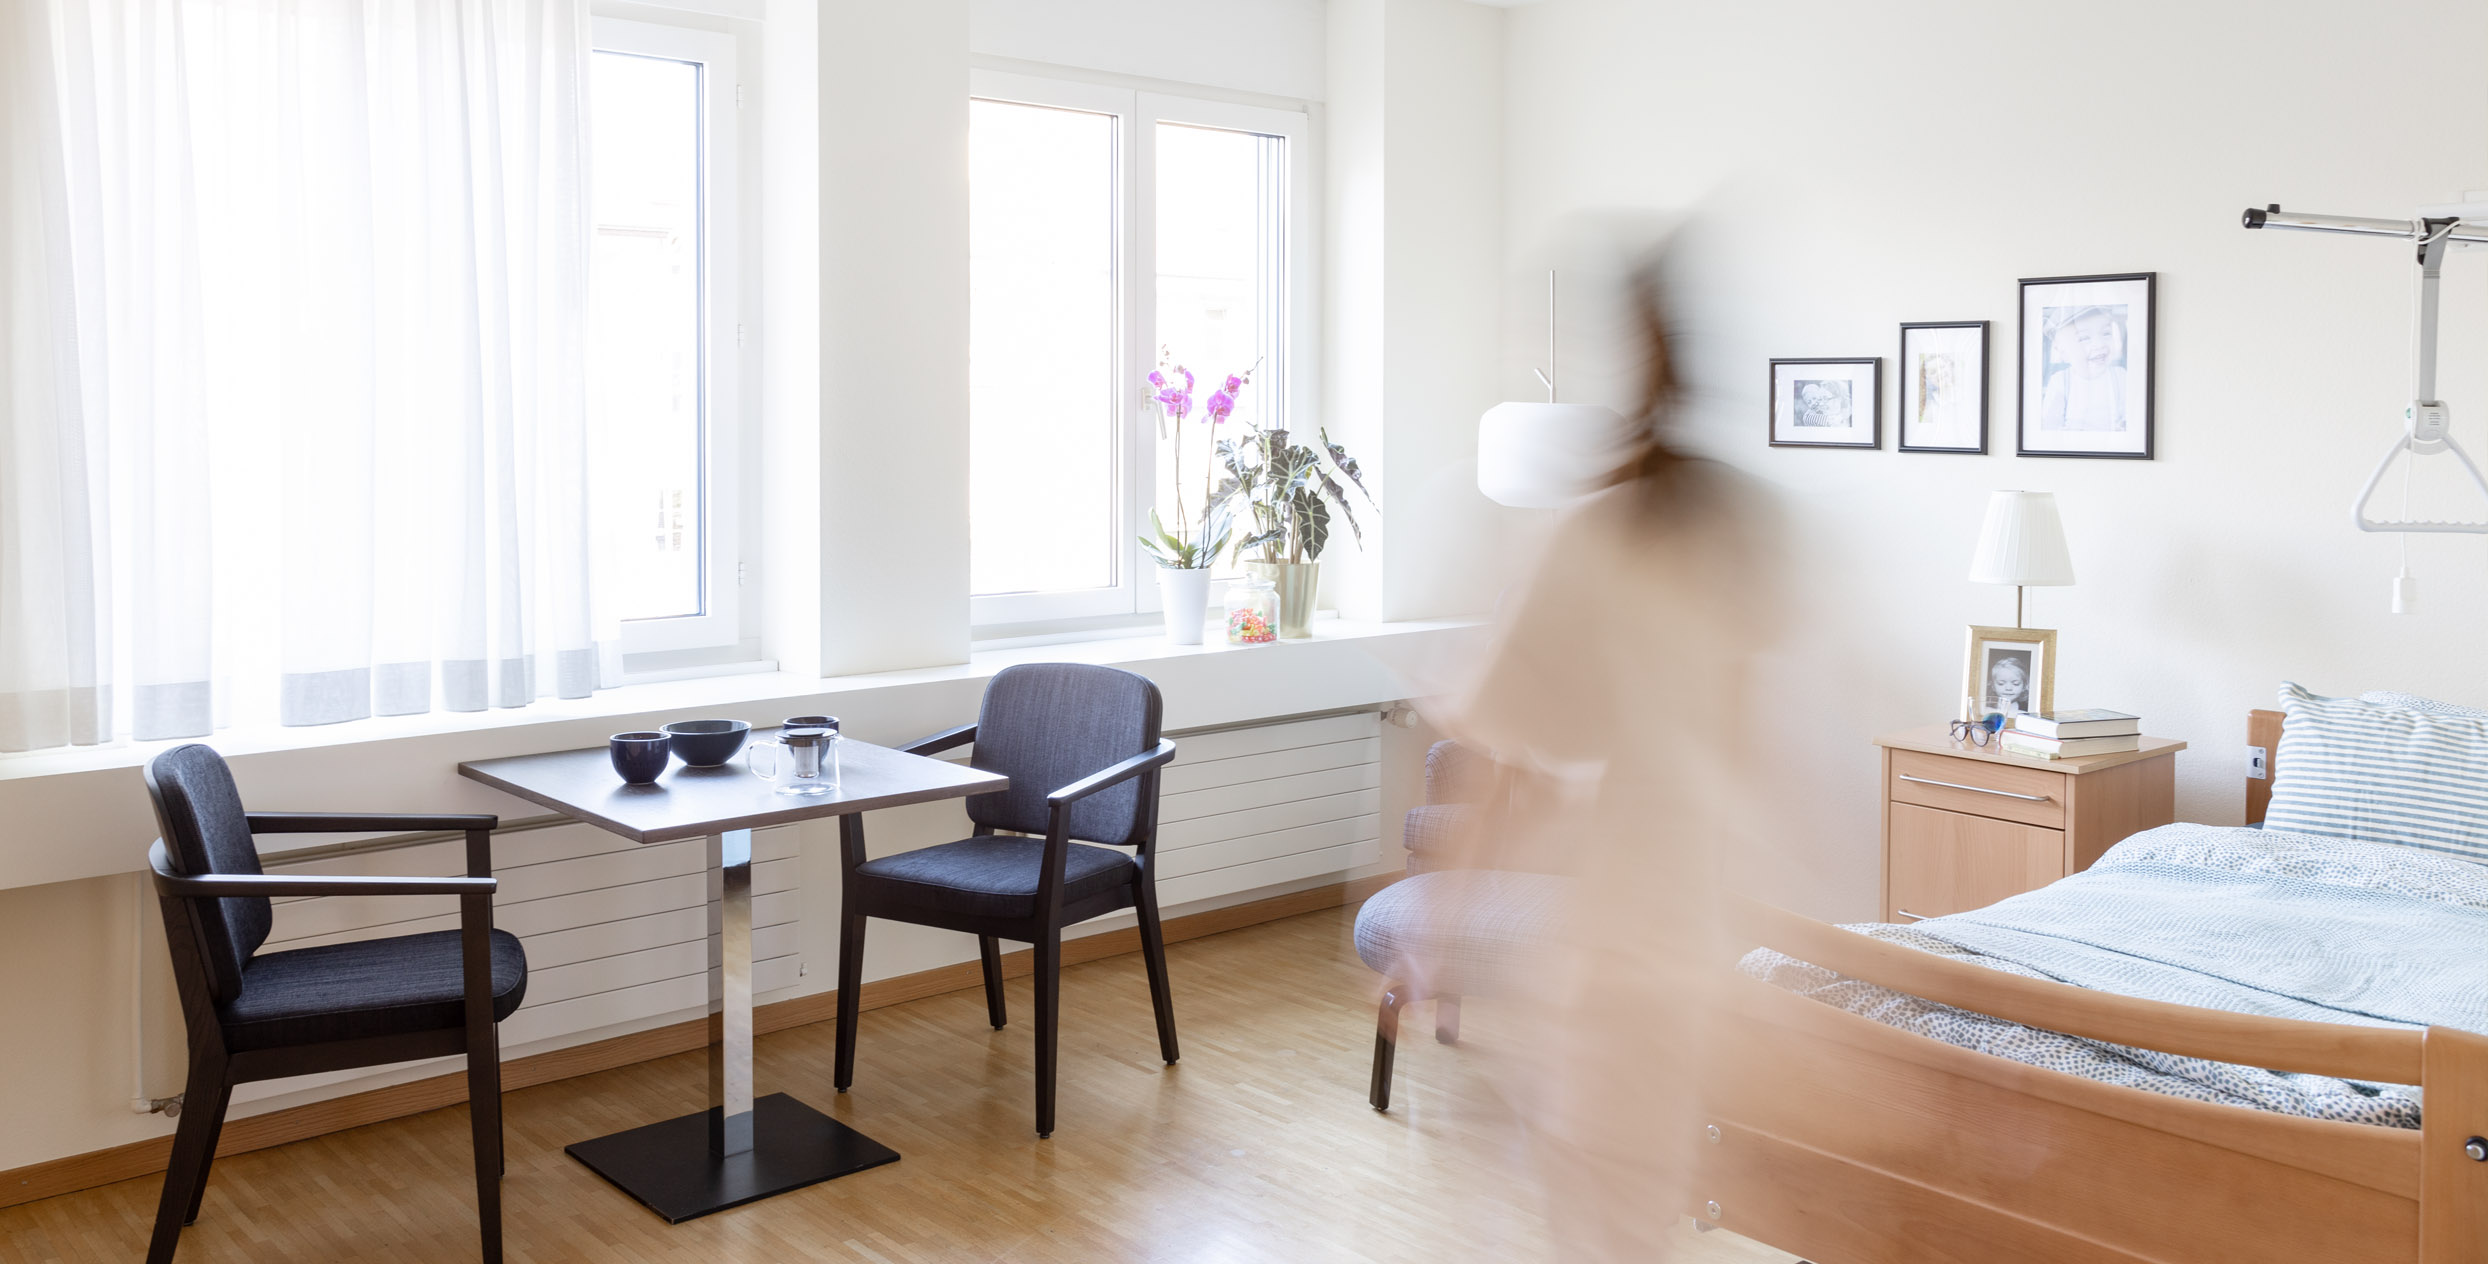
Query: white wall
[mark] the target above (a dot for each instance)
(1856, 166)
(893, 520)
(1270, 47)
(1415, 220)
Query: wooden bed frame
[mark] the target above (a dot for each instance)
(1849, 1142)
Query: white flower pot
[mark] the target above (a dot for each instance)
(1185, 594)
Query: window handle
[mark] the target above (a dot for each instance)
(1954, 785)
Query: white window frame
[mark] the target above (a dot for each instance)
(721, 509)
(1137, 114)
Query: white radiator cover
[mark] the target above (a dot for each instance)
(1250, 807)
(617, 932)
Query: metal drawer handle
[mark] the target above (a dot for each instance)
(1915, 917)
(1954, 785)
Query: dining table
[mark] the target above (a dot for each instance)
(740, 1148)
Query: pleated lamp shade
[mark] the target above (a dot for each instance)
(2022, 543)
(1543, 456)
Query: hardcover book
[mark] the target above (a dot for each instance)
(2090, 722)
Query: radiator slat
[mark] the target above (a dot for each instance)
(1185, 775)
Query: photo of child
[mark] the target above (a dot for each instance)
(2008, 681)
(2086, 370)
(1824, 404)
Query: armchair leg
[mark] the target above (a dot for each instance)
(1153, 955)
(1447, 1019)
(484, 1115)
(194, 1150)
(991, 950)
(1386, 1042)
(215, 1129)
(1049, 982)
(850, 992)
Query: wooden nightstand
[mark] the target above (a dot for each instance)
(1965, 826)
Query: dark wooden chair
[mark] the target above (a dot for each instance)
(1080, 744)
(261, 1016)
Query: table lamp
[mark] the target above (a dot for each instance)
(1544, 456)
(2022, 544)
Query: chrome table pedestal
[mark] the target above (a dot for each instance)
(741, 1148)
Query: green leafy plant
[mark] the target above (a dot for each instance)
(1293, 489)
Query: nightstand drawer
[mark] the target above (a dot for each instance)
(1949, 862)
(2005, 791)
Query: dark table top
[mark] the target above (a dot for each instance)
(691, 802)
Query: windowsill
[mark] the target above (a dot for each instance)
(1115, 646)
(78, 813)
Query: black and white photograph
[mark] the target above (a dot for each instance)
(1943, 386)
(2086, 366)
(2008, 672)
(1827, 403)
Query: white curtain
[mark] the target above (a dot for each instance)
(328, 266)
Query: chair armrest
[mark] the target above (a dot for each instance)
(366, 822)
(1124, 771)
(171, 882)
(1437, 834)
(947, 739)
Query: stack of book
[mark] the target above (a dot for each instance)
(2070, 734)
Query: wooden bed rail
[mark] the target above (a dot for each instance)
(2376, 1054)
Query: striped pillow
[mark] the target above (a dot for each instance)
(2413, 702)
(2352, 769)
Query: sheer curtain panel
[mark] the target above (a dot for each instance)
(55, 652)
(328, 267)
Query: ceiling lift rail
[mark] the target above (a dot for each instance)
(2425, 424)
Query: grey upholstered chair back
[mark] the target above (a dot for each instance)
(1046, 725)
(201, 814)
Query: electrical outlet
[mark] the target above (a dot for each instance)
(2256, 765)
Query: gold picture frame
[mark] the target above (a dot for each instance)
(1986, 650)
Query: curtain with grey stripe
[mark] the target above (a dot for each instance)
(314, 445)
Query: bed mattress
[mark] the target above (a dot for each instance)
(2246, 920)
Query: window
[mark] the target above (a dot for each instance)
(1109, 228)
(662, 331)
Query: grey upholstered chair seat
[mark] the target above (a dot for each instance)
(1461, 931)
(993, 876)
(374, 987)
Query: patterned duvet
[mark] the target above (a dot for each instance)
(2256, 922)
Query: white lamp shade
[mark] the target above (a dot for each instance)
(2023, 542)
(1542, 456)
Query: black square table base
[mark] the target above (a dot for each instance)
(667, 1166)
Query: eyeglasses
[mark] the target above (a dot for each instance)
(1976, 732)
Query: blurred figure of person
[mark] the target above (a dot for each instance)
(1619, 666)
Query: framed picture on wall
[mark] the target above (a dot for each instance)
(2007, 672)
(1827, 403)
(1943, 387)
(2086, 365)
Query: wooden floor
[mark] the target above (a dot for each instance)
(1258, 1146)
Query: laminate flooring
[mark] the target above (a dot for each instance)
(1257, 1147)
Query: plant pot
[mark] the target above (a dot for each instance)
(1185, 594)
(1298, 583)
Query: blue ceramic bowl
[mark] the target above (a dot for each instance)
(707, 743)
(640, 757)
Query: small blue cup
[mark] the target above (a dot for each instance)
(640, 757)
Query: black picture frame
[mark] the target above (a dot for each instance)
(2149, 396)
(1901, 401)
(1874, 392)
